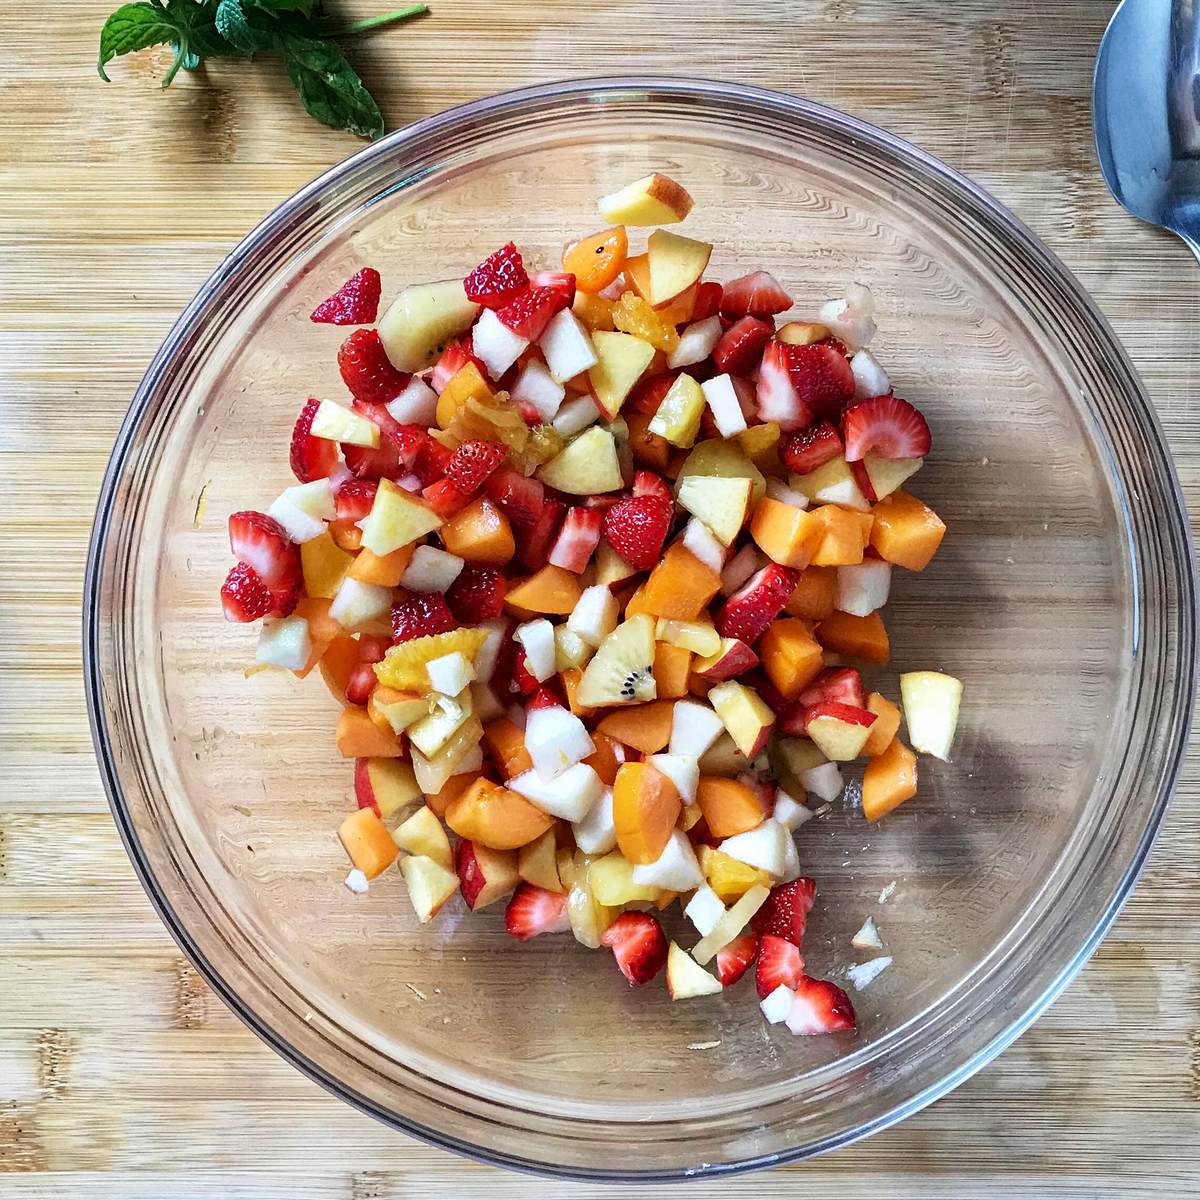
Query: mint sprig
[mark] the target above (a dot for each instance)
(328, 86)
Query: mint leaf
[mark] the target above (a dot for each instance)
(234, 26)
(301, 6)
(134, 27)
(329, 87)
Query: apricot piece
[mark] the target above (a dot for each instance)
(790, 655)
(596, 260)
(571, 678)
(337, 664)
(856, 637)
(480, 533)
(680, 586)
(842, 536)
(889, 780)
(382, 570)
(729, 806)
(451, 790)
(496, 817)
(786, 534)
(359, 737)
(672, 665)
(550, 590)
(648, 449)
(887, 724)
(814, 594)
(505, 742)
(323, 631)
(645, 727)
(646, 806)
(906, 531)
(604, 760)
(367, 841)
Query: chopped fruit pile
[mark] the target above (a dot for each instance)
(586, 560)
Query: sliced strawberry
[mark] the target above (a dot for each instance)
(843, 684)
(639, 946)
(772, 697)
(285, 598)
(784, 913)
(444, 498)
(473, 462)
(262, 543)
(530, 313)
(820, 1007)
(534, 910)
(562, 282)
(311, 457)
(354, 498)
(520, 497)
(863, 478)
(779, 964)
(431, 461)
(501, 277)
(356, 302)
(366, 369)
(758, 294)
(776, 398)
(477, 594)
(546, 695)
(452, 360)
(811, 448)
(822, 377)
(535, 541)
(646, 483)
(649, 393)
(406, 439)
(363, 679)
(244, 596)
(383, 462)
(501, 678)
(420, 616)
(734, 960)
(524, 682)
(577, 538)
(636, 528)
(708, 300)
(741, 345)
(889, 426)
(748, 613)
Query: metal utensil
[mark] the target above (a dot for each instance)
(1146, 111)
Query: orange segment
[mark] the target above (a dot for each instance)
(550, 590)
(813, 597)
(672, 665)
(346, 534)
(645, 809)
(886, 726)
(906, 531)
(496, 817)
(889, 780)
(679, 587)
(645, 727)
(843, 537)
(729, 806)
(728, 877)
(505, 742)
(594, 311)
(786, 534)
(359, 737)
(596, 261)
(367, 842)
(381, 570)
(634, 315)
(790, 655)
(480, 533)
(856, 637)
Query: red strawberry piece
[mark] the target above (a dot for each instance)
(406, 439)
(576, 539)
(851, 714)
(646, 483)
(244, 596)
(776, 397)
(452, 360)
(734, 959)
(524, 682)
(535, 540)
(600, 503)
(863, 478)
(741, 345)
(477, 594)
(774, 699)
(649, 393)
(748, 613)
(779, 963)
(354, 498)
(530, 313)
(262, 542)
(381, 463)
(501, 678)
(843, 684)
(534, 910)
(758, 294)
(420, 616)
(837, 344)
(636, 528)
(284, 599)
(639, 946)
(445, 499)
(311, 457)
(498, 279)
(431, 461)
(888, 425)
(820, 1007)
(473, 462)
(363, 679)
(784, 913)
(546, 695)
(708, 300)
(562, 282)
(811, 448)
(356, 302)
(366, 369)
(520, 497)
(822, 377)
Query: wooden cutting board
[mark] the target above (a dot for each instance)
(121, 1076)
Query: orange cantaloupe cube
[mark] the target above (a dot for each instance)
(842, 538)
(886, 726)
(813, 597)
(856, 637)
(551, 590)
(679, 587)
(729, 806)
(604, 759)
(889, 779)
(337, 664)
(646, 806)
(645, 727)
(672, 666)
(504, 740)
(496, 816)
(906, 531)
(367, 841)
(790, 655)
(382, 570)
(451, 790)
(480, 533)
(596, 260)
(786, 534)
(359, 737)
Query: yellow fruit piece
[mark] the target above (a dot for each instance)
(466, 383)
(403, 667)
(494, 420)
(655, 200)
(324, 564)
(633, 315)
(727, 877)
(610, 880)
(678, 416)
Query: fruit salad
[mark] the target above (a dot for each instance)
(590, 561)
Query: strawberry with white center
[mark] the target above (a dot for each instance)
(779, 965)
(580, 532)
(639, 946)
(244, 596)
(887, 425)
(785, 913)
(822, 377)
(820, 1007)
(528, 314)
(758, 294)
(262, 544)
(562, 282)
(747, 614)
(646, 483)
(533, 911)
(735, 959)
(472, 463)
(741, 345)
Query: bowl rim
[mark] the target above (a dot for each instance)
(648, 87)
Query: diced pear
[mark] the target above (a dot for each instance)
(931, 702)
(685, 978)
(721, 503)
(622, 360)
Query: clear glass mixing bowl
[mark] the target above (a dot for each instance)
(1063, 596)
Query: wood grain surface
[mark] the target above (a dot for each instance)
(121, 1076)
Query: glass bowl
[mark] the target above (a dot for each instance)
(1062, 596)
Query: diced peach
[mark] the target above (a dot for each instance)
(505, 742)
(681, 308)
(679, 586)
(814, 594)
(537, 862)
(646, 806)
(323, 631)
(480, 533)
(346, 534)
(596, 261)
(359, 737)
(645, 727)
(367, 841)
(759, 442)
(382, 570)
(790, 655)
(550, 590)
(788, 535)
(727, 876)
(637, 603)
(603, 760)
(465, 384)
(889, 780)
(672, 665)
(324, 565)
(856, 637)
(648, 449)
(497, 817)
(337, 663)
(906, 531)
(887, 724)
(729, 806)
(842, 538)
(451, 790)
(637, 274)
(570, 680)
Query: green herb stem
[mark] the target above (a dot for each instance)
(368, 23)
